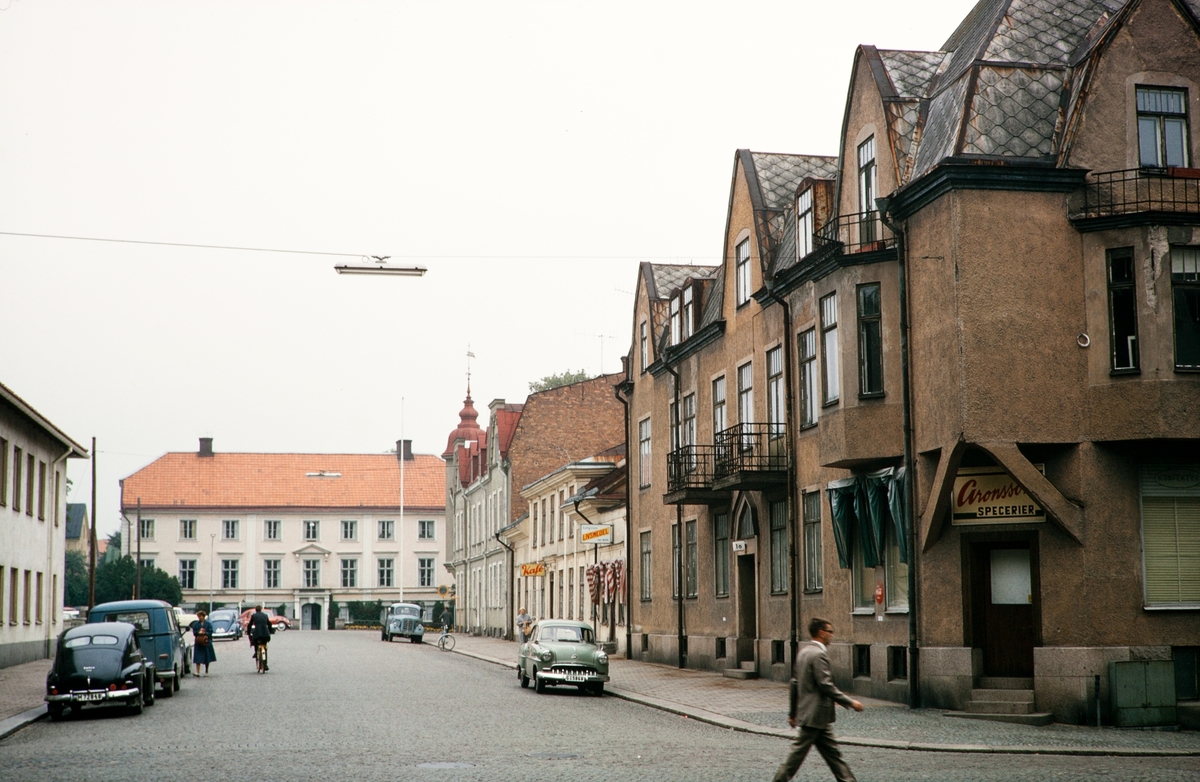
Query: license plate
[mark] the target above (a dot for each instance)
(89, 696)
(577, 677)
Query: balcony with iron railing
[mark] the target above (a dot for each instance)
(749, 457)
(1138, 196)
(861, 232)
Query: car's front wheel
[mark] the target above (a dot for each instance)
(598, 688)
(521, 675)
(539, 684)
(56, 711)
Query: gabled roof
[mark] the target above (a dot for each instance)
(283, 481)
(9, 399)
(663, 279)
(778, 175)
(76, 516)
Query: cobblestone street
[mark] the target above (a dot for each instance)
(346, 705)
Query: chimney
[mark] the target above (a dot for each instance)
(205, 446)
(404, 448)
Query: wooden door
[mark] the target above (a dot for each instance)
(747, 607)
(1003, 607)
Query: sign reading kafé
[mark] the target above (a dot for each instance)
(537, 569)
(989, 495)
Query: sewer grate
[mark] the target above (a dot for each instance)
(445, 765)
(554, 755)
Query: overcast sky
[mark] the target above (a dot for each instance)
(529, 154)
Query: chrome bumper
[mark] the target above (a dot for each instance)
(572, 677)
(93, 696)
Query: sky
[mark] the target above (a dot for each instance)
(528, 154)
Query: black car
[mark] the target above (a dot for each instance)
(99, 665)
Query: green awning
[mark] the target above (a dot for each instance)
(898, 504)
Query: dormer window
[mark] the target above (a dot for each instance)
(804, 224)
(676, 325)
(1162, 127)
(682, 314)
(688, 312)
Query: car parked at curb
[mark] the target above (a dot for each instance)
(403, 620)
(226, 626)
(158, 635)
(99, 665)
(562, 652)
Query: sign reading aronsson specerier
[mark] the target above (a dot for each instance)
(989, 495)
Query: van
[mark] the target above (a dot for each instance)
(158, 633)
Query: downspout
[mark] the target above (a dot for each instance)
(679, 531)
(628, 535)
(792, 478)
(512, 558)
(914, 669)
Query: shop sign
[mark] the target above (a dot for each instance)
(989, 495)
(537, 569)
(595, 534)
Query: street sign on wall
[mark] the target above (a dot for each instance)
(600, 534)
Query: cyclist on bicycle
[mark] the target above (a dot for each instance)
(445, 620)
(259, 630)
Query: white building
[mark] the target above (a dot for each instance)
(301, 531)
(33, 511)
(569, 547)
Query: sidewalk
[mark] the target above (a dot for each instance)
(757, 706)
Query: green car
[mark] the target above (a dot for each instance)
(560, 651)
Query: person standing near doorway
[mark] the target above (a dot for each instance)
(202, 649)
(524, 623)
(812, 697)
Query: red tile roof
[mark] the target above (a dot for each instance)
(282, 481)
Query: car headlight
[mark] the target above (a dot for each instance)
(546, 655)
(601, 658)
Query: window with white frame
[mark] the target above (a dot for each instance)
(644, 464)
(187, 574)
(312, 530)
(864, 579)
(718, 404)
(146, 529)
(229, 574)
(271, 528)
(1162, 127)
(349, 573)
(187, 529)
(1171, 535)
(745, 378)
(688, 429)
(147, 564)
(775, 407)
(387, 529)
(829, 349)
(867, 190)
(895, 571)
(386, 571)
(349, 530)
(425, 571)
(807, 344)
(312, 573)
(229, 529)
(271, 573)
(804, 224)
(676, 316)
(689, 315)
(814, 574)
(425, 529)
(742, 272)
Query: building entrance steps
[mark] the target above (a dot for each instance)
(746, 670)
(1003, 700)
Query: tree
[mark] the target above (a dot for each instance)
(554, 381)
(75, 579)
(115, 581)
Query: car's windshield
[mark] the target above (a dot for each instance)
(566, 634)
(406, 611)
(139, 618)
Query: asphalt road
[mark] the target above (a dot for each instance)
(345, 706)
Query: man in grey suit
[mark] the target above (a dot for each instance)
(813, 694)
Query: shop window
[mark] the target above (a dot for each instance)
(1185, 292)
(1122, 311)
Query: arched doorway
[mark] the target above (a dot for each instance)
(746, 532)
(310, 616)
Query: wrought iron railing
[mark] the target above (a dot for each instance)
(691, 467)
(855, 233)
(1134, 190)
(753, 447)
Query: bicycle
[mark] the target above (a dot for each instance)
(445, 640)
(260, 657)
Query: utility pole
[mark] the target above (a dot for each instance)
(137, 587)
(92, 537)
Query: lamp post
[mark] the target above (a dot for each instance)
(211, 559)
